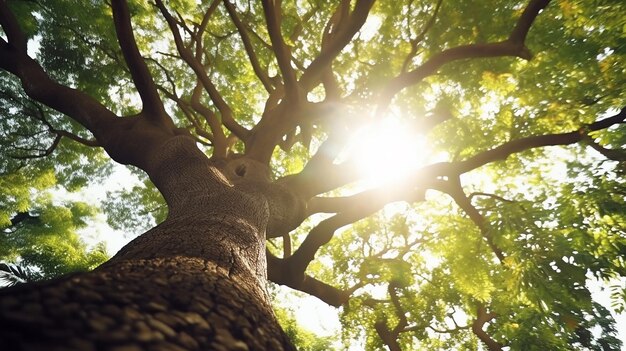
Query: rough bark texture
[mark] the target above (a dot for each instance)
(194, 282)
(176, 303)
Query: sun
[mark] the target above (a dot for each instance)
(387, 150)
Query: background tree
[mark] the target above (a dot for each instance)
(241, 116)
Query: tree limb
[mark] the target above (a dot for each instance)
(11, 28)
(611, 154)
(387, 194)
(455, 190)
(43, 153)
(278, 272)
(76, 138)
(477, 328)
(219, 138)
(497, 197)
(355, 21)
(40, 87)
(320, 175)
(415, 41)
(247, 44)
(152, 104)
(188, 57)
(390, 337)
(505, 150)
(197, 36)
(513, 46)
(281, 51)
(357, 209)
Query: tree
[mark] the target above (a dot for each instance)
(240, 114)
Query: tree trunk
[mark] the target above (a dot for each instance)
(197, 281)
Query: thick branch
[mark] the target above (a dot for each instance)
(278, 272)
(38, 85)
(518, 35)
(399, 311)
(386, 194)
(357, 209)
(504, 48)
(320, 176)
(388, 337)
(11, 28)
(142, 78)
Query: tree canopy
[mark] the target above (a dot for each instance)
(460, 164)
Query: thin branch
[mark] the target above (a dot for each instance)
(247, 43)
(494, 196)
(197, 67)
(455, 190)
(357, 18)
(415, 41)
(286, 245)
(445, 331)
(86, 142)
(186, 109)
(281, 51)
(202, 28)
(513, 46)
(55, 143)
(142, 78)
(477, 327)
(44, 153)
(505, 150)
(333, 26)
(611, 154)
(219, 138)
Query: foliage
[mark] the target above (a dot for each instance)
(45, 242)
(491, 239)
(306, 340)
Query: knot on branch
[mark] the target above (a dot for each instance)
(286, 208)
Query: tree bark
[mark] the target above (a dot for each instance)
(197, 281)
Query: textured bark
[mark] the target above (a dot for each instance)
(197, 281)
(177, 303)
